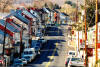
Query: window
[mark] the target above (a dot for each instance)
(18, 61)
(27, 57)
(26, 52)
(30, 52)
(75, 59)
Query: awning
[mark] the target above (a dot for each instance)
(19, 22)
(18, 15)
(8, 26)
(28, 14)
(7, 31)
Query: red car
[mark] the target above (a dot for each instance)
(1, 61)
(67, 61)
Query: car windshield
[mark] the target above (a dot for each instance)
(30, 52)
(38, 34)
(41, 39)
(38, 44)
(23, 59)
(27, 57)
(36, 47)
(75, 59)
(68, 59)
(26, 52)
(71, 53)
(18, 61)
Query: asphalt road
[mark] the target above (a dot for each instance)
(55, 50)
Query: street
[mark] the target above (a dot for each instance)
(55, 51)
(49, 33)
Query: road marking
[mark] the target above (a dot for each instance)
(47, 65)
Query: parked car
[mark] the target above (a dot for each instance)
(72, 53)
(18, 62)
(36, 45)
(76, 62)
(37, 50)
(39, 45)
(29, 52)
(1, 61)
(24, 61)
(25, 53)
(32, 53)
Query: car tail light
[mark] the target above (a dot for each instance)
(84, 64)
(66, 62)
(70, 62)
(2, 62)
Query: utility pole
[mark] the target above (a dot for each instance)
(83, 30)
(86, 61)
(76, 12)
(30, 32)
(21, 34)
(96, 21)
(4, 37)
(78, 42)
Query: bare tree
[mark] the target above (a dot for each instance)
(4, 4)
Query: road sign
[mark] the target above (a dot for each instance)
(89, 52)
(98, 45)
(72, 32)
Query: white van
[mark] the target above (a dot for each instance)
(29, 52)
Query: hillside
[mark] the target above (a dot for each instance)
(41, 3)
(60, 2)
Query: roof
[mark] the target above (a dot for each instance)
(18, 15)
(16, 26)
(7, 29)
(46, 10)
(9, 26)
(29, 14)
(19, 22)
(56, 11)
(64, 14)
(2, 36)
(36, 14)
(43, 11)
(11, 14)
